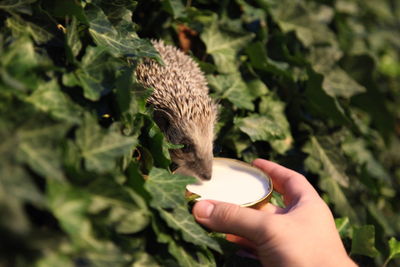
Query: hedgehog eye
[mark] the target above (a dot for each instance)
(187, 148)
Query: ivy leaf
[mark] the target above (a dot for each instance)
(100, 148)
(343, 226)
(168, 197)
(259, 127)
(309, 22)
(357, 150)
(259, 60)
(257, 88)
(39, 146)
(167, 190)
(363, 242)
(116, 42)
(332, 163)
(14, 4)
(186, 259)
(338, 83)
(224, 47)
(338, 198)
(320, 103)
(70, 206)
(17, 69)
(20, 26)
(274, 108)
(121, 208)
(394, 247)
(95, 74)
(73, 43)
(233, 88)
(180, 250)
(180, 219)
(49, 98)
(175, 8)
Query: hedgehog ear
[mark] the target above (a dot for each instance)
(162, 118)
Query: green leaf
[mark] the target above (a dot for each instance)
(274, 108)
(259, 60)
(343, 226)
(39, 147)
(53, 259)
(180, 219)
(338, 198)
(181, 251)
(224, 47)
(95, 75)
(167, 190)
(308, 21)
(186, 259)
(357, 150)
(63, 9)
(168, 197)
(17, 68)
(73, 43)
(14, 4)
(332, 162)
(257, 88)
(338, 84)
(123, 215)
(70, 205)
(175, 8)
(159, 147)
(394, 247)
(363, 242)
(101, 148)
(144, 260)
(233, 88)
(259, 127)
(116, 42)
(22, 27)
(320, 103)
(49, 98)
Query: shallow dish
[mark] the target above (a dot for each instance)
(235, 182)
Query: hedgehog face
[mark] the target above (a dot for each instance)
(195, 157)
(196, 136)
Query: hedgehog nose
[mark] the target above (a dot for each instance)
(206, 176)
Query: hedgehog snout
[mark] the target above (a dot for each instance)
(205, 170)
(206, 176)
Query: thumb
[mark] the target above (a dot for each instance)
(229, 218)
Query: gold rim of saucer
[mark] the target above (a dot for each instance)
(260, 202)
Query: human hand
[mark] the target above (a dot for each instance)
(301, 234)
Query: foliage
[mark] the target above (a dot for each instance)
(84, 171)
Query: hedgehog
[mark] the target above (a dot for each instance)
(183, 109)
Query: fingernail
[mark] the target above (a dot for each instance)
(204, 209)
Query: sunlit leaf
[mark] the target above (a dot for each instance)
(364, 241)
(22, 27)
(394, 247)
(233, 88)
(342, 226)
(259, 127)
(224, 47)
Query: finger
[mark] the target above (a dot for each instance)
(241, 241)
(232, 219)
(270, 208)
(292, 185)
